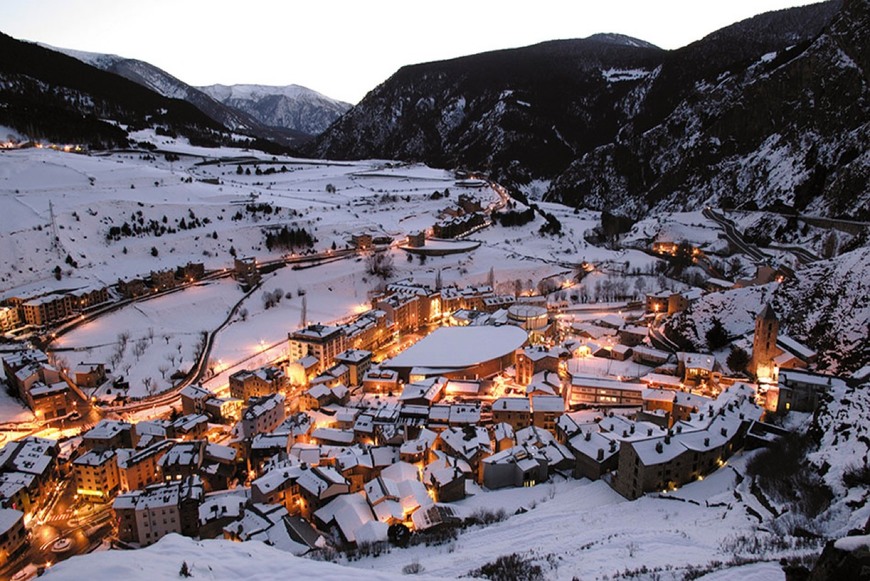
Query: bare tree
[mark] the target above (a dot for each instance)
(163, 368)
(380, 264)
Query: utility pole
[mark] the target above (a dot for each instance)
(55, 237)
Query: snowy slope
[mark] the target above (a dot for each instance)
(215, 559)
(826, 306)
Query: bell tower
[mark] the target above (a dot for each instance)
(764, 349)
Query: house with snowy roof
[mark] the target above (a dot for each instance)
(417, 450)
(278, 485)
(110, 435)
(357, 361)
(517, 466)
(220, 509)
(514, 411)
(546, 409)
(535, 359)
(146, 516)
(317, 485)
(799, 390)
(469, 443)
(595, 454)
(258, 382)
(502, 436)
(558, 456)
(352, 517)
(264, 447)
(262, 415)
(688, 451)
(272, 525)
(695, 368)
(138, 468)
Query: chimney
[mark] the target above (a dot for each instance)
(632, 428)
(659, 447)
(679, 429)
(724, 432)
(612, 446)
(600, 454)
(588, 436)
(649, 431)
(624, 433)
(668, 438)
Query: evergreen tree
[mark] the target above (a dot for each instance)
(717, 336)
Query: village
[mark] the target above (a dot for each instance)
(375, 427)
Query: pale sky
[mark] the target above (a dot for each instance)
(344, 48)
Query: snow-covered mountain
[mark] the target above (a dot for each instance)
(167, 85)
(45, 94)
(771, 108)
(291, 106)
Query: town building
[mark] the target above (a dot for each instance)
(358, 362)
(262, 415)
(257, 383)
(533, 360)
(146, 516)
(89, 374)
(513, 411)
(546, 410)
(245, 271)
(138, 469)
(96, 474)
(110, 435)
(688, 451)
(13, 536)
(320, 341)
(517, 466)
(597, 391)
(459, 353)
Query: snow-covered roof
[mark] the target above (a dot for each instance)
(95, 458)
(511, 404)
(349, 512)
(589, 443)
(605, 383)
(459, 347)
(703, 361)
(8, 518)
(795, 347)
(547, 403)
(662, 379)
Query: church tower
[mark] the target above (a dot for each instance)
(764, 349)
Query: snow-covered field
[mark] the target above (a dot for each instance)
(209, 204)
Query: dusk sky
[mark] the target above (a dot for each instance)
(345, 48)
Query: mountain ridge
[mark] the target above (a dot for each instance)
(289, 106)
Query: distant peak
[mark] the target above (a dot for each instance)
(621, 39)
